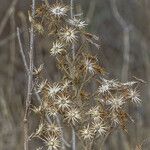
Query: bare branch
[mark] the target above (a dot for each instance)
(7, 15)
(126, 39)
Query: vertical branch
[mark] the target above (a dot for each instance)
(73, 56)
(30, 77)
(21, 51)
(72, 15)
(7, 15)
(12, 54)
(126, 39)
(73, 139)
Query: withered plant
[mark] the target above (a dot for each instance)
(83, 101)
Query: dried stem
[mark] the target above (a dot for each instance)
(126, 40)
(73, 139)
(21, 50)
(7, 15)
(30, 77)
(73, 56)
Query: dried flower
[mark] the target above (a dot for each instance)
(78, 23)
(58, 10)
(99, 128)
(89, 66)
(134, 95)
(53, 129)
(57, 48)
(53, 89)
(38, 70)
(87, 133)
(103, 88)
(63, 102)
(73, 116)
(95, 113)
(52, 142)
(41, 86)
(52, 111)
(68, 35)
(116, 102)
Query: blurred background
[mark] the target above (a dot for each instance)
(124, 30)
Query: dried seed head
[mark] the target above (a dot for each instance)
(63, 102)
(103, 88)
(116, 102)
(73, 116)
(52, 111)
(89, 66)
(68, 35)
(95, 113)
(78, 23)
(99, 128)
(52, 142)
(38, 70)
(57, 48)
(134, 95)
(59, 10)
(53, 89)
(53, 129)
(87, 133)
(41, 86)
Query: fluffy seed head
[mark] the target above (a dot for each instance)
(99, 128)
(53, 89)
(116, 102)
(58, 10)
(52, 142)
(78, 23)
(63, 102)
(95, 113)
(73, 116)
(53, 129)
(57, 48)
(68, 35)
(87, 133)
(89, 66)
(134, 95)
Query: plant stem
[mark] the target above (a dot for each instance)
(30, 77)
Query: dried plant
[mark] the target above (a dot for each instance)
(91, 113)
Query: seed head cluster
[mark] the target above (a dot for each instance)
(92, 112)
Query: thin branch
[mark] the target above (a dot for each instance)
(21, 51)
(30, 77)
(73, 139)
(7, 15)
(91, 10)
(73, 56)
(62, 136)
(126, 39)
(72, 15)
